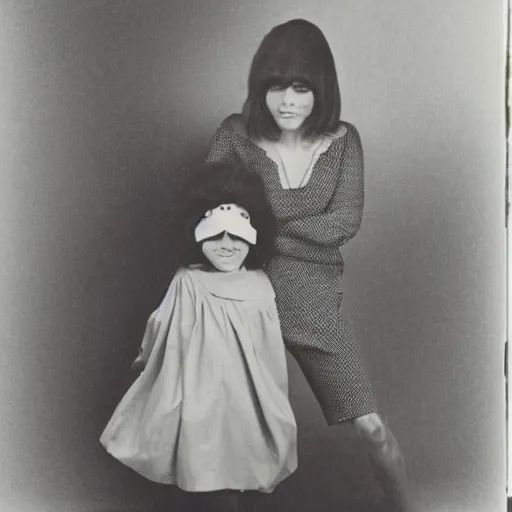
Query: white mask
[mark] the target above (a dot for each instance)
(229, 218)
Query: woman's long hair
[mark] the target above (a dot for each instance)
(295, 51)
(204, 188)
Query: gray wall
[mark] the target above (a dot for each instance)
(101, 101)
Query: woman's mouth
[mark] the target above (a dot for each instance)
(287, 115)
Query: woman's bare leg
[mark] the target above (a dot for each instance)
(387, 461)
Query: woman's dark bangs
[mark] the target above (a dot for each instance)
(283, 82)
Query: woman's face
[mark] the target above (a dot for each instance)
(225, 252)
(290, 106)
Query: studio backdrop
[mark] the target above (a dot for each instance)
(101, 105)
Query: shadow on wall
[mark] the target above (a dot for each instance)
(100, 273)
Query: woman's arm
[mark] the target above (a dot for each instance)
(306, 250)
(343, 217)
(221, 147)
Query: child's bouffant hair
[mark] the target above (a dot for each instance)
(295, 51)
(206, 186)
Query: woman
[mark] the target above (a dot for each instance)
(312, 166)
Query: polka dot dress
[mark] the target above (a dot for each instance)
(314, 221)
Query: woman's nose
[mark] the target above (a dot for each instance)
(288, 96)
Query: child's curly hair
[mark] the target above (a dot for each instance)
(204, 188)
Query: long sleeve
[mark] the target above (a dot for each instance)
(343, 217)
(221, 148)
(306, 250)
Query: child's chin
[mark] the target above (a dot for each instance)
(227, 267)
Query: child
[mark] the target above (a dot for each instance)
(210, 410)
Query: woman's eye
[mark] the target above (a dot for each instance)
(276, 87)
(300, 88)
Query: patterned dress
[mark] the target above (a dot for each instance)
(313, 222)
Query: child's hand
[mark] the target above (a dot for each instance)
(138, 365)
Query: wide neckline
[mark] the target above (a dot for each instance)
(275, 167)
(322, 146)
(242, 285)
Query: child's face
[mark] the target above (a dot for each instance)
(225, 252)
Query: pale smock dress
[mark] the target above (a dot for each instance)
(210, 411)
